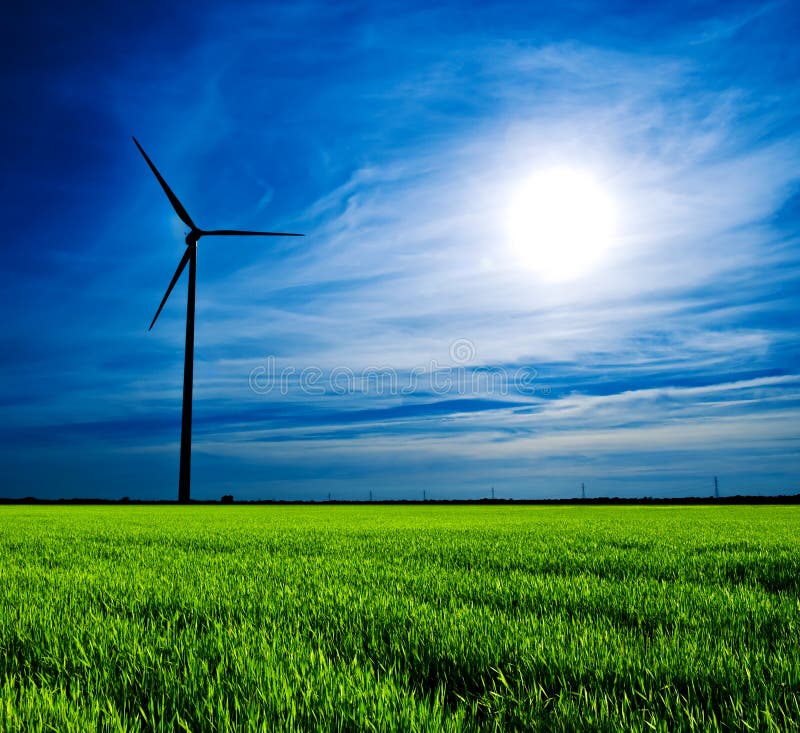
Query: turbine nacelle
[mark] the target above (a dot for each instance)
(193, 237)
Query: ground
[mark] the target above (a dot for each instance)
(426, 618)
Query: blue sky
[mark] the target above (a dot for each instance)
(421, 350)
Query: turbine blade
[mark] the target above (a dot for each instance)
(173, 199)
(240, 233)
(181, 265)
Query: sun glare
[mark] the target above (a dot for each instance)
(561, 223)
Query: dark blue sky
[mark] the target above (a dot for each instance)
(420, 349)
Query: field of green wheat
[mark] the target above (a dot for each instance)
(414, 618)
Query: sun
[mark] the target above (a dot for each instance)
(561, 223)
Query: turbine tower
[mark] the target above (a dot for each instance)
(190, 258)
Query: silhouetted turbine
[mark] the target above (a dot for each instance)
(190, 258)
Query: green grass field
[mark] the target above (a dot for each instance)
(399, 618)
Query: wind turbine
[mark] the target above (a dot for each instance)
(190, 258)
